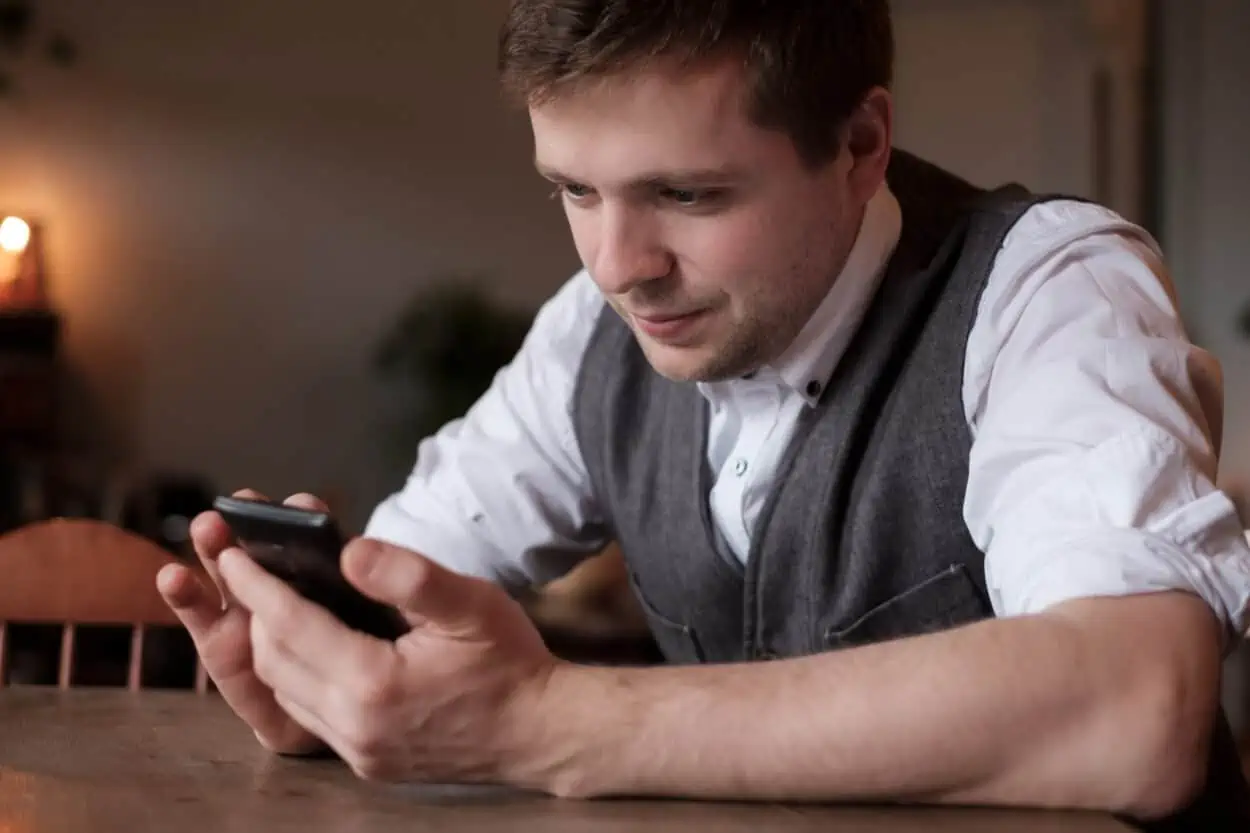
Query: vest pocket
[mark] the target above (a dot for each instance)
(943, 601)
(678, 642)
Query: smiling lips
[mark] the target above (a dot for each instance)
(667, 327)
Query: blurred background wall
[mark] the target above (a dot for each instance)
(238, 196)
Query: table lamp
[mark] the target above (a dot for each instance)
(14, 238)
(21, 265)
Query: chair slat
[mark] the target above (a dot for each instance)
(134, 667)
(65, 668)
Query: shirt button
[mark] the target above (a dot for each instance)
(740, 467)
(813, 388)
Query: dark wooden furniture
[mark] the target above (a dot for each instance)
(29, 348)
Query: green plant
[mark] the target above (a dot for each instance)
(444, 350)
(20, 29)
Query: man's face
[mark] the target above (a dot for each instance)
(706, 233)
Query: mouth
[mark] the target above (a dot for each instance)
(668, 327)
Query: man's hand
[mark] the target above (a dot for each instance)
(451, 701)
(221, 636)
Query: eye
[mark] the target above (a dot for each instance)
(572, 190)
(700, 198)
(683, 196)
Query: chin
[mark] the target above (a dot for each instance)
(683, 364)
(677, 364)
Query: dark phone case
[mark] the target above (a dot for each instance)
(302, 547)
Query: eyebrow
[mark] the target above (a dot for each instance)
(685, 176)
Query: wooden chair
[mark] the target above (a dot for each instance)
(80, 572)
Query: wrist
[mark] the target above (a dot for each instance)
(568, 722)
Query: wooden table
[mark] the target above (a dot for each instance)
(105, 760)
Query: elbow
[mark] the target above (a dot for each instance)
(1168, 788)
(1151, 703)
(1166, 751)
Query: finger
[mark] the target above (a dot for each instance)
(368, 768)
(219, 635)
(210, 535)
(311, 723)
(303, 500)
(303, 630)
(287, 676)
(316, 705)
(415, 584)
(220, 639)
(195, 607)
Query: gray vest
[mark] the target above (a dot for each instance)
(862, 538)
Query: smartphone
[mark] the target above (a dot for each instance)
(303, 548)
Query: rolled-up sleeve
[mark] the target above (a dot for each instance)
(1096, 425)
(502, 493)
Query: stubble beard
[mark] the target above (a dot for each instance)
(753, 341)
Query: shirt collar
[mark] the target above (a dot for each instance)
(809, 361)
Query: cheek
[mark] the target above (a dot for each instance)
(585, 238)
(734, 255)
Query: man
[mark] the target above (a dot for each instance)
(945, 456)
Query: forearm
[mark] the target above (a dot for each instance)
(1046, 711)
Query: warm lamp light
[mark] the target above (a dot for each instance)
(21, 264)
(14, 234)
(14, 238)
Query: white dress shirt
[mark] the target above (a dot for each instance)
(1094, 420)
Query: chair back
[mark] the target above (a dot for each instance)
(78, 572)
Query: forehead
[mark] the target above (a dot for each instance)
(656, 118)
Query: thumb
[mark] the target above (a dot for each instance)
(414, 584)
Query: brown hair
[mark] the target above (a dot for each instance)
(810, 62)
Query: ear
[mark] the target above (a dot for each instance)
(869, 138)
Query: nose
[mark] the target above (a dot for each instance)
(630, 252)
